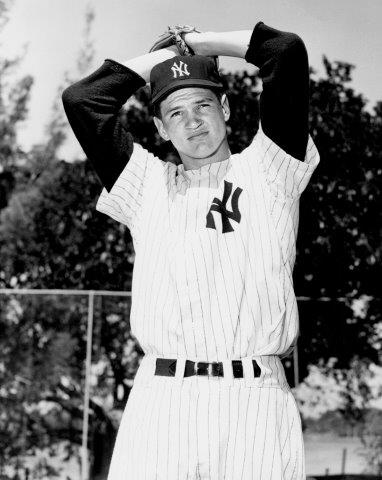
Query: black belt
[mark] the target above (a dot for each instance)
(167, 367)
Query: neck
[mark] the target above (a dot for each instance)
(220, 154)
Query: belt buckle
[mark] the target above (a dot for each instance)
(211, 369)
(202, 368)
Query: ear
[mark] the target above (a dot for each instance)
(225, 107)
(161, 130)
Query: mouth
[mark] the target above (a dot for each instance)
(197, 136)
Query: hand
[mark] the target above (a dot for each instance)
(192, 39)
(199, 42)
(175, 36)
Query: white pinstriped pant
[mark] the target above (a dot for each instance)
(200, 428)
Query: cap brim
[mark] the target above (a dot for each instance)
(191, 82)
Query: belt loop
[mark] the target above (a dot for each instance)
(249, 376)
(227, 379)
(179, 373)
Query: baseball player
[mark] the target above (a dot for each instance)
(213, 305)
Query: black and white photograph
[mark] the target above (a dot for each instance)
(190, 240)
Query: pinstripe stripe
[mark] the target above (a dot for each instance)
(149, 259)
(154, 305)
(219, 437)
(222, 323)
(263, 256)
(188, 437)
(204, 328)
(227, 291)
(168, 434)
(209, 305)
(245, 433)
(229, 433)
(273, 442)
(146, 438)
(181, 320)
(208, 426)
(157, 431)
(253, 275)
(266, 429)
(238, 405)
(238, 328)
(197, 439)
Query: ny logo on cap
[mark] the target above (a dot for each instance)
(180, 70)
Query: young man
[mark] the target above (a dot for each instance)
(213, 305)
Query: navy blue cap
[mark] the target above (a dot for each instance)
(183, 71)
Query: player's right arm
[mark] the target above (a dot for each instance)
(92, 106)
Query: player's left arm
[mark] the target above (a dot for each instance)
(283, 67)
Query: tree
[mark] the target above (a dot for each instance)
(339, 249)
(13, 110)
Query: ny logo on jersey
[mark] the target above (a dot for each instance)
(180, 70)
(221, 207)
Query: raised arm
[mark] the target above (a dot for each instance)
(92, 106)
(283, 67)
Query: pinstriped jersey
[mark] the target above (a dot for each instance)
(215, 249)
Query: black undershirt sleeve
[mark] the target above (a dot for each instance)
(92, 106)
(284, 102)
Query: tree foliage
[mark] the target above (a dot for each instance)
(339, 249)
(13, 110)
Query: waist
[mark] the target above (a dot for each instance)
(255, 371)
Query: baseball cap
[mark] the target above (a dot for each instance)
(181, 72)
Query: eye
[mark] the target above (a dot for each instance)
(175, 114)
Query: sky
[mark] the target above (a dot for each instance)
(51, 33)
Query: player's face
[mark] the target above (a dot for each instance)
(193, 119)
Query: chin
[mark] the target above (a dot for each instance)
(201, 155)
(201, 152)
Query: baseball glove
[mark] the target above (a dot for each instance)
(174, 36)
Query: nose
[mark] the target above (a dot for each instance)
(193, 120)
